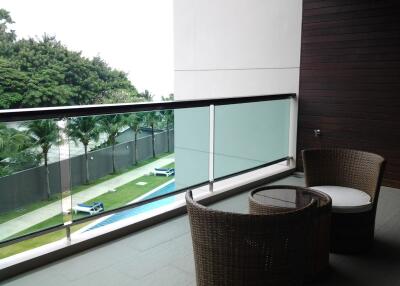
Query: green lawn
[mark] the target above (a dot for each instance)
(128, 192)
(4, 217)
(36, 242)
(170, 165)
(119, 172)
(53, 221)
(123, 195)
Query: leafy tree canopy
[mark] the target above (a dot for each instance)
(43, 72)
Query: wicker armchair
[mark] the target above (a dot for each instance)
(243, 249)
(355, 178)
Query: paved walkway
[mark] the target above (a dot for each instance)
(25, 221)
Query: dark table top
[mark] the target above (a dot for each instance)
(288, 197)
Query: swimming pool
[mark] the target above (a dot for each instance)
(144, 208)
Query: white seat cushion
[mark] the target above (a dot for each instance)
(346, 200)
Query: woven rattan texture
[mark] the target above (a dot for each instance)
(243, 249)
(352, 232)
(317, 255)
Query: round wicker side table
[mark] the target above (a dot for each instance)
(275, 199)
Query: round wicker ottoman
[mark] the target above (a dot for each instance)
(275, 199)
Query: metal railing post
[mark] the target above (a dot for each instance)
(293, 131)
(65, 178)
(212, 145)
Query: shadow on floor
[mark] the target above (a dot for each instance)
(380, 266)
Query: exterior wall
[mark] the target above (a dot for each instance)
(27, 187)
(232, 48)
(349, 79)
(227, 48)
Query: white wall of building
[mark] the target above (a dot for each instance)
(229, 48)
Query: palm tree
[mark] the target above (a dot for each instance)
(111, 125)
(146, 96)
(151, 119)
(12, 142)
(168, 119)
(135, 121)
(45, 134)
(170, 97)
(84, 130)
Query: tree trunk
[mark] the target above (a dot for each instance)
(87, 164)
(136, 153)
(113, 157)
(153, 141)
(47, 183)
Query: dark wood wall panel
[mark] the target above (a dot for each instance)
(350, 78)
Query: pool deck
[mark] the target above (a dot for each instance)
(30, 219)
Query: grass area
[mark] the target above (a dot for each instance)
(123, 195)
(170, 165)
(36, 242)
(128, 192)
(4, 217)
(31, 243)
(53, 221)
(116, 174)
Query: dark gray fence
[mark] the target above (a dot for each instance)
(26, 187)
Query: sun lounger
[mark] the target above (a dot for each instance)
(164, 172)
(94, 208)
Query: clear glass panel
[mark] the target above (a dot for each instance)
(128, 157)
(249, 135)
(139, 172)
(30, 184)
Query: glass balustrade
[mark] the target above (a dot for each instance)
(249, 135)
(74, 177)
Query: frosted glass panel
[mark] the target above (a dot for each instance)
(192, 135)
(250, 134)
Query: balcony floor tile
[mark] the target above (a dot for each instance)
(162, 254)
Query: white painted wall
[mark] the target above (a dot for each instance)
(232, 48)
(229, 48)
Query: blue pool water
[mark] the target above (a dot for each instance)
(144, 208)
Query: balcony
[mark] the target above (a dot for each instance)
(162, 254)
(320, 74)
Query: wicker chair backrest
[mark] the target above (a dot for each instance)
(244, 249)
(343, 167)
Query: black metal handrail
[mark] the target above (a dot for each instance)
(23, 114)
